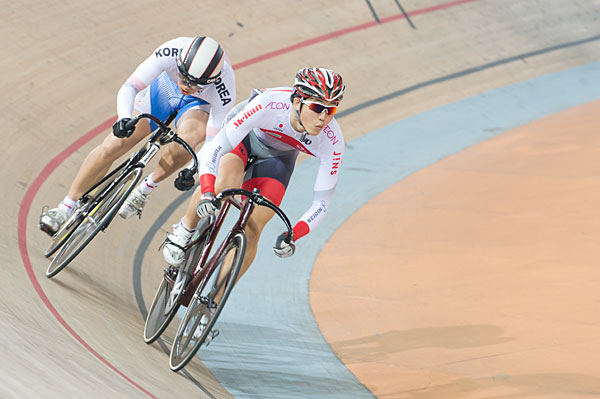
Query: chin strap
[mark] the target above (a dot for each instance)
(300, 122)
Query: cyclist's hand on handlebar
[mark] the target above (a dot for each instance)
(122, 128)
(206, 207)
(185, 180)
(282, 248)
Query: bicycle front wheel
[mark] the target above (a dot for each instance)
(166, 300)
(94, 219)
(63, 234)
(207, 303)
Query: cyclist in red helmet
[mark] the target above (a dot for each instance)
(257, 148)
(191, 78)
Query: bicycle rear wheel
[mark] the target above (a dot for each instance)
(93, 220)
(166, 300)
(193, 329)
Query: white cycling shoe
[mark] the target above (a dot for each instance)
(134, 204)
(174, 249)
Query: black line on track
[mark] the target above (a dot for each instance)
(162, 218)
(137, 274)
(405, 14)
(373, 12)
(460, 74)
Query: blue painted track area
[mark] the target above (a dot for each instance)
(270, 344)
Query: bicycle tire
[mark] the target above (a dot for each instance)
(71, 224)
(164, 307)
(64, 232)
(93, 221)
(186, 344)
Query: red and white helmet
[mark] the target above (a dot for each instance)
(201, 60)
(321, 83)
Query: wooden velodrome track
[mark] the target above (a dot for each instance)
(477, 307)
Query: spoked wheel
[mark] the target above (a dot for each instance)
(208, 301)
(166, 300)
(93, 220)
(61, 236)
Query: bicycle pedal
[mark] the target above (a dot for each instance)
(44, 227)
(46, 230)
(171, 272)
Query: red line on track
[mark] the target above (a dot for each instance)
(345, 31)
(57, 160)
(22, 236)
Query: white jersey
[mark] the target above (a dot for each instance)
(220, 95)
(268, 116)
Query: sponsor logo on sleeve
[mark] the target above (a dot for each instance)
(211, 165)
(247, 115)
(314, 215)
(337, 160)
(322, 209)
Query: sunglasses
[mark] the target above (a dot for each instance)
(318, 108)
(188, 83)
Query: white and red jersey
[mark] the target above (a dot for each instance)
(268, 117)
(220, 95)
